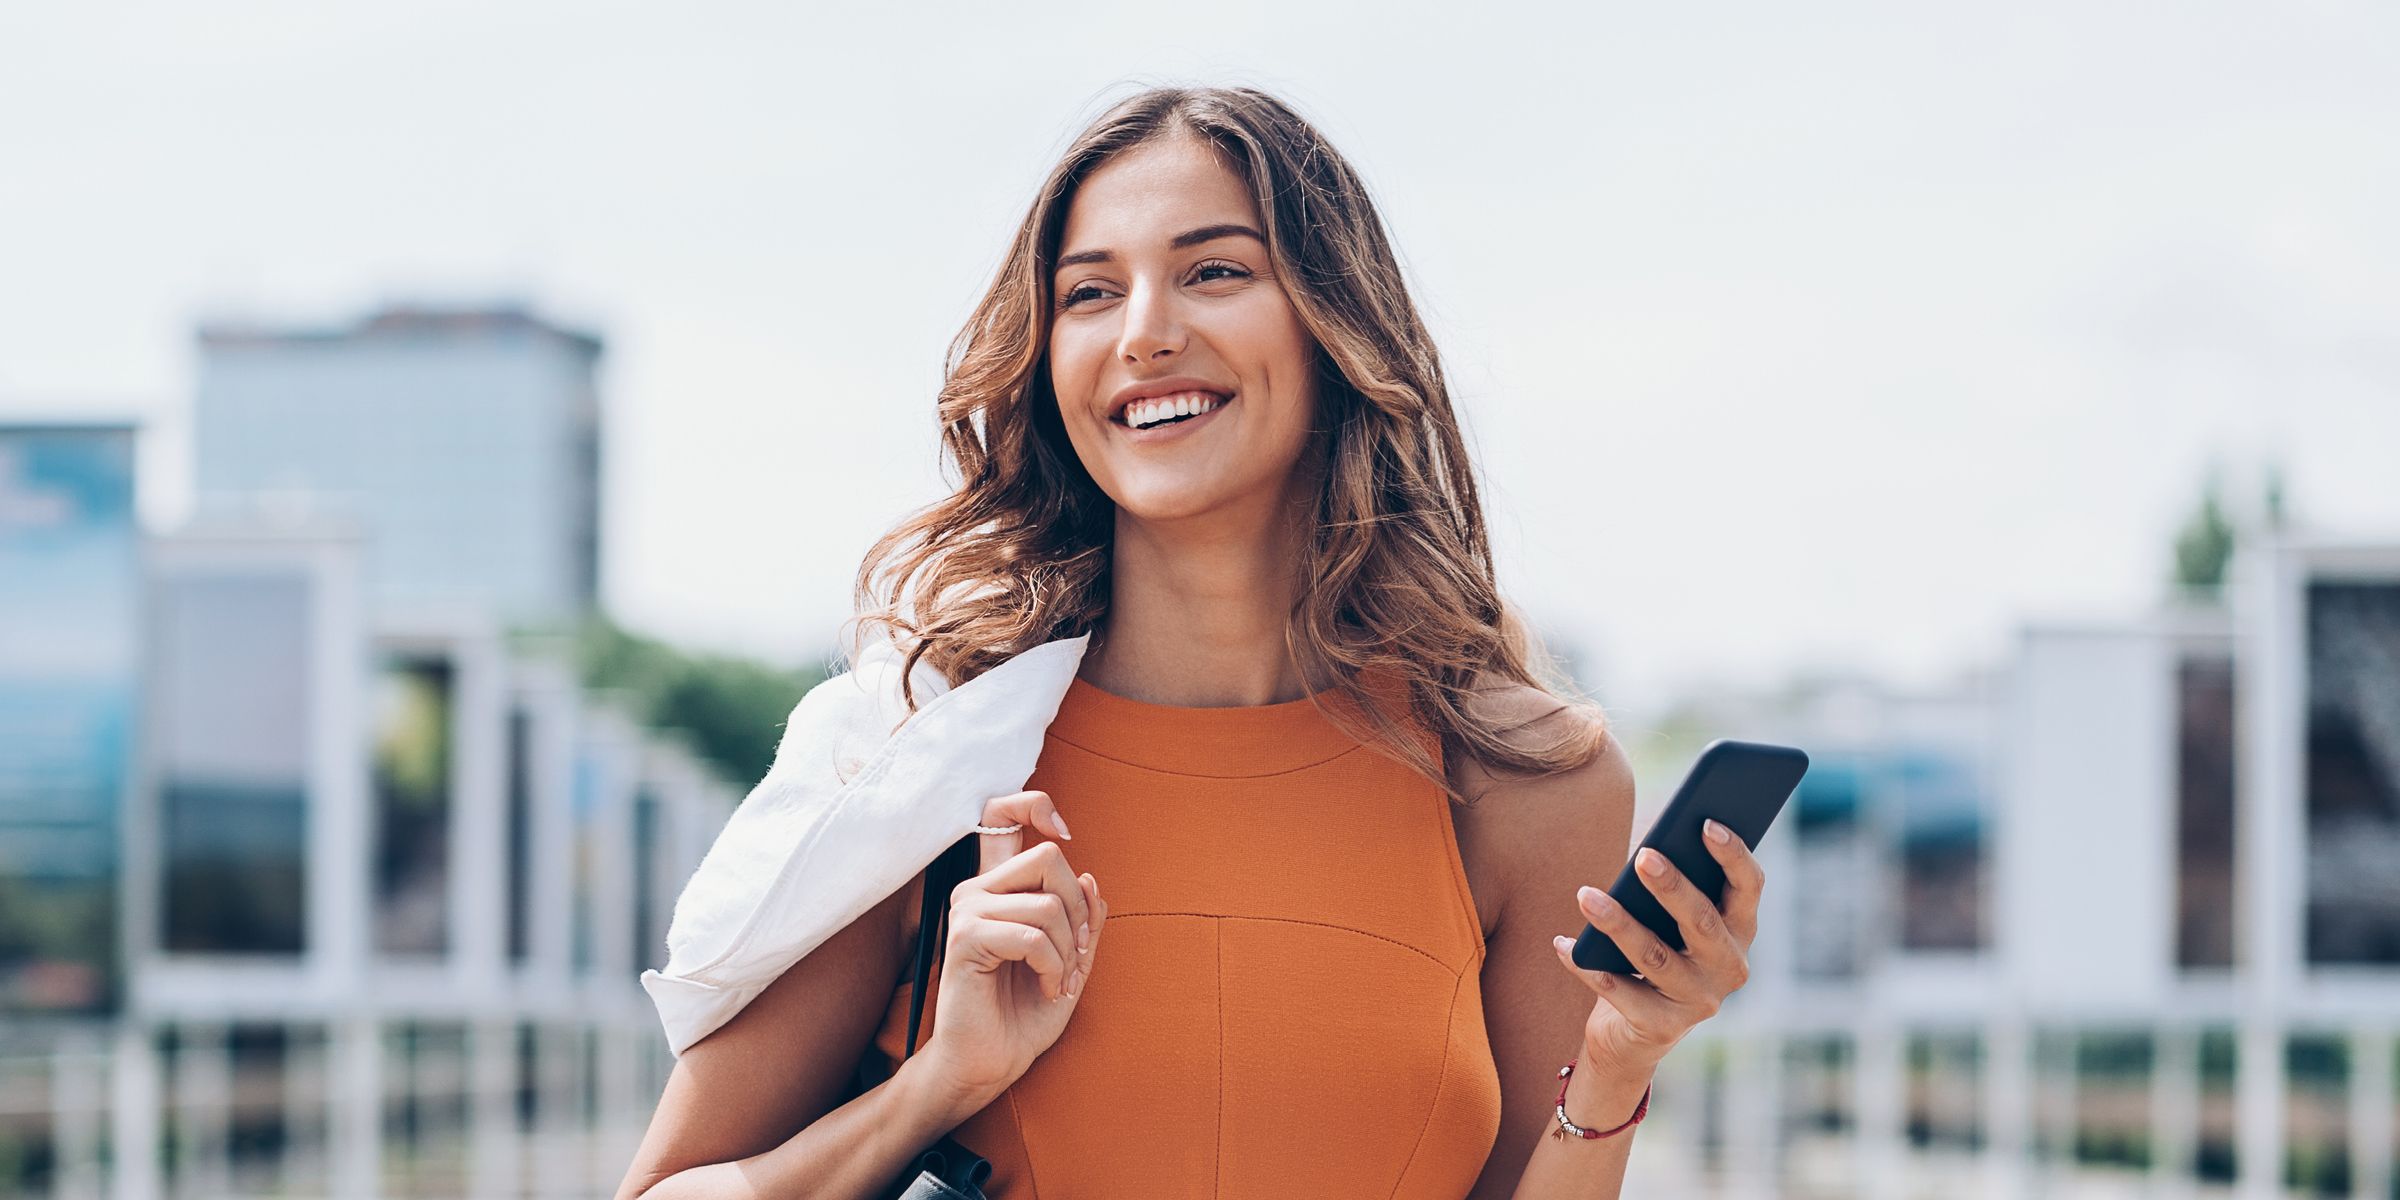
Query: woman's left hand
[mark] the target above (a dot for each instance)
(1638, 1020)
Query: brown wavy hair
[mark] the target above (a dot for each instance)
(1396, 578)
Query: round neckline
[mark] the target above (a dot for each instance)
(1236, 742)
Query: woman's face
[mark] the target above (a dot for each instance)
(1164, 287)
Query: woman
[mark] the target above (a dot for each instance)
(1329, 822)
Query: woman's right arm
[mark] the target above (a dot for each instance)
(725, 1126)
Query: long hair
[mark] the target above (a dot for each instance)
(1395, 574)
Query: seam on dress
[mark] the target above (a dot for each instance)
(1419, 951)
(1219, 928)
(1018, 1122)
(1196, 775)
(1441, 1081)
(1470, 909)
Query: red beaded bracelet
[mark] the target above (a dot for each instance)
(1567, 1126)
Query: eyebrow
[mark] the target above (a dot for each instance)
(1189, 237)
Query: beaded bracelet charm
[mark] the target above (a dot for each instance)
(1567, 1126)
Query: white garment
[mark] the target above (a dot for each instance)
(861, 797)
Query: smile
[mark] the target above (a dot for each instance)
(1163, 417)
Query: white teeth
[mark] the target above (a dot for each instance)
(1142, 414)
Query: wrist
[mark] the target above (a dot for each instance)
(1611, 1097)
(922, 1086)
(1619, 1059)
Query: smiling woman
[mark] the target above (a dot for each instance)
(1339, 818)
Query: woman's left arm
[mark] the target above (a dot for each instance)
(1557, 836)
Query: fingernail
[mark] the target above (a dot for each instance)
(1083, 936)
(1652, 863)
(1061, 822)
(1560, 943)
(1716, 833)
(1594, 898)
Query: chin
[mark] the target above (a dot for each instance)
(1171, 502)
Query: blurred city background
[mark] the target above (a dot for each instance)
(435, 445)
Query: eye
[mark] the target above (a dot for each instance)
(1078, 294)
(1200, 274)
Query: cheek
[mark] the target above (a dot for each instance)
(1074, 365)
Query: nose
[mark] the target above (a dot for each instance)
(1152, 326)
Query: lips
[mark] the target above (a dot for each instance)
(1171, 430)
(1153, 388)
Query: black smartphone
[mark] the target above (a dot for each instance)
(1742, 785)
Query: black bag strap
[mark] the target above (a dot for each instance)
(950, 868)
(945, 1170)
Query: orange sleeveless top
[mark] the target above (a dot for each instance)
(1286, 1001)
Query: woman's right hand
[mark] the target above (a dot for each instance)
(1023, 933)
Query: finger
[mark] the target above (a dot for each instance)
(1034, 809)
(1745, 880)
(1705, 937)
(1040, 868)
(1659, 963)
(1043, 911)
(985, 945)
(1091, 945)
(1649, 1013)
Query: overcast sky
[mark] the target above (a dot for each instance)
(1789, 337)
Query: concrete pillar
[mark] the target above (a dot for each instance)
(355, 1147)
(561, 1152)
(496, 1145)
(77, 1101)
(1754, 1116)
(2174, 1111)
(2262, 1106)
(2056, 1082)
(135, 1103)
(305, 1100)
(1879, 1098)
(619, 1128)
(2007, 1108)
(203, 1110)
(2371, 1105)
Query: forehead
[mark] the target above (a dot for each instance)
(1148, 194)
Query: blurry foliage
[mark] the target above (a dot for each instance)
(412, 741)
(56, 940)
(729, 710)
(2205, 544)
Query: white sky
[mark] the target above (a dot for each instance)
(1789, 337)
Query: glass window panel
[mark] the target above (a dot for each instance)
(2353, 773)
(414, 703)
(235, 725)
(2204, 813)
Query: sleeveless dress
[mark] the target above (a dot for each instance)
(1286, 1001)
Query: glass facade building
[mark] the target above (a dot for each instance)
(70, 586)
(464, 443)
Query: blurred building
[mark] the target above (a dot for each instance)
(2119, 917)
(70, 570)
(320, 872)
(464, 444)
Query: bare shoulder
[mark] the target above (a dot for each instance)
(1517, 828)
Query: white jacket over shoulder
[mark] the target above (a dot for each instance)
(860, 798)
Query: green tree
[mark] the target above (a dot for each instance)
(2205, 544)
(729, 710)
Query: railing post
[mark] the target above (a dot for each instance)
(2371, 1105)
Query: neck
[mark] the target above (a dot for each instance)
(1197, 611)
